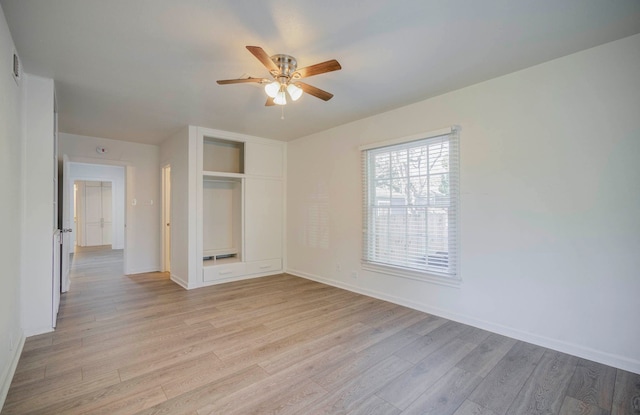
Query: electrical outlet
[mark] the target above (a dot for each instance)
(10, 342)
(338, 267)
(354, 275)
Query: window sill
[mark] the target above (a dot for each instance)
(413, 275)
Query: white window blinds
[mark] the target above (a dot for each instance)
(411, 197)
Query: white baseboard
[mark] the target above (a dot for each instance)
(142, 270)
(28, 332)
(7, 375)
(179, 281)
(240, 278)
(617, 361)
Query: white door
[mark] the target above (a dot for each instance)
(107, 217)
(97, 221)
(166, 217)
(93, 213)
(66, 236)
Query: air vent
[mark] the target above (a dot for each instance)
(17, 68)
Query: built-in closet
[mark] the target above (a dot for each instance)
(227, 206)
(242, 207)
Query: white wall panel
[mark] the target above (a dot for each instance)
(549, 214)
(11, 207)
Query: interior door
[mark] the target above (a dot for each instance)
(166, 217)
(93, 213)
(107, 217)
(66, 236)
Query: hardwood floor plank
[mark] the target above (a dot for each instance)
(35, 342)
(43, 386)
(483, 358)
(47, 400)
(428, 344)
(288, 357)
(446, 395)
(207, 394)
(573, 406)
(132, 404)
(357, 390)
(205, 371)
(626, 394)
(593, 383)
(544, 391)
(472, 408)
(427, 325)
(374, 406)
(27, 376)
(406, 388)
(498, 390)
(280, 394)
(333, 376)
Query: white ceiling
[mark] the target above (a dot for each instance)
(139, 70)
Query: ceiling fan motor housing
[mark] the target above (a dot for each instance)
(286, 64)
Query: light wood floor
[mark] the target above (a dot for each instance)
(281, 344)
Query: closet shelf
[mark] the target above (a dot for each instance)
(218, 174)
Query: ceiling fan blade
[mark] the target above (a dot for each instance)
(317, 69)
(269, 102)
(316, 92)
(262, 56)
(241, 81)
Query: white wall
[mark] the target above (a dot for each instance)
(179, 152)
(143, 204)
(11, 117)
(113, 174)
(550, 216)
(38, 210)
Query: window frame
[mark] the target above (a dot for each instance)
(451, 134)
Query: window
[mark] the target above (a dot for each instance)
(411, 198)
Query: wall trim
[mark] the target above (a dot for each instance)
(7, 377)
(240, 278)
(142, 270)
(179, 281)
(35, 332)
(609, 359)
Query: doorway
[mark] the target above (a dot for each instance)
(95, 207)
(166, 218)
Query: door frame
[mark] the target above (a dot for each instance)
(121, 189)
(166, 218)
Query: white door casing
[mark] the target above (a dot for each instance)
(66, 236)
(166, 218)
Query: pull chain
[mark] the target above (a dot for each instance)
(282, 109)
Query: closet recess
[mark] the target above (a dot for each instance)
(222, 190)
(241, 220)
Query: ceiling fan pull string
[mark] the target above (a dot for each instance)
(282, 109)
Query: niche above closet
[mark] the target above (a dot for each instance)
(222, 156)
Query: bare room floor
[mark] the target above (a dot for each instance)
(282, 344)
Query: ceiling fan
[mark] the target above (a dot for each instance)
(286, 77)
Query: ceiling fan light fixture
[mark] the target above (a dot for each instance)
(281, 96)
(294, 92)
(272, 89)
(286, 75)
